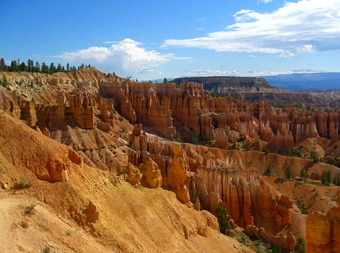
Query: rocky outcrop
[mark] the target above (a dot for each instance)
(323, 230)
(132, 174)
(152, 176)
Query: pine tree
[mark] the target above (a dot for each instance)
(52, 68)
(3, 66)
(59, 68)
(37, 67)
(326, 178)
(14, 66)
(44, 68)
(30, 65)
(22, 67)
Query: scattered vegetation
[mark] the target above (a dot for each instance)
(301, 205)
(303, 175)
(256, 244)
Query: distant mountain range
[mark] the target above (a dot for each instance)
(306, 81)
(291, 82)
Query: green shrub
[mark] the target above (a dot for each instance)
(195, 138)
(288, 171)
(23, 183)
(303, 175)
(29, 210)
(223, 221)
(300, 246)
(326, 178)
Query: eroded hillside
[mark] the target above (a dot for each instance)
(263, 164)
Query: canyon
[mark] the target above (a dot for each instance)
(112, 155)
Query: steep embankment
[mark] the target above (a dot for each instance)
(48, 193)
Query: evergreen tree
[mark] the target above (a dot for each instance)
(37, 67)
(67, 67)
(336, 180)
(59, 68)
(44, 68)
(3, 66)
(288, 171)
(326, 178)
(52, 68)
(22, 67)
(222, 217)
(13, 66)
(30, 65)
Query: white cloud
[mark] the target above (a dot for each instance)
(264, 1)
(298, 27)
(125, 56)
(208, 72)
(202, 20)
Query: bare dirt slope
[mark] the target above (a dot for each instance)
(40, 229)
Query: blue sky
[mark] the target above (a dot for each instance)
(155, 39)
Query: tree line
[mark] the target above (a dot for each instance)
(31, 66)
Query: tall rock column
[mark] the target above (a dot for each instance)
(177, 174)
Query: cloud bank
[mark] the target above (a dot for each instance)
(125, 57)
(302, 27)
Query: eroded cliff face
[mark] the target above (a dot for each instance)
(88, 99)
(209, 176)
(91, 112)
